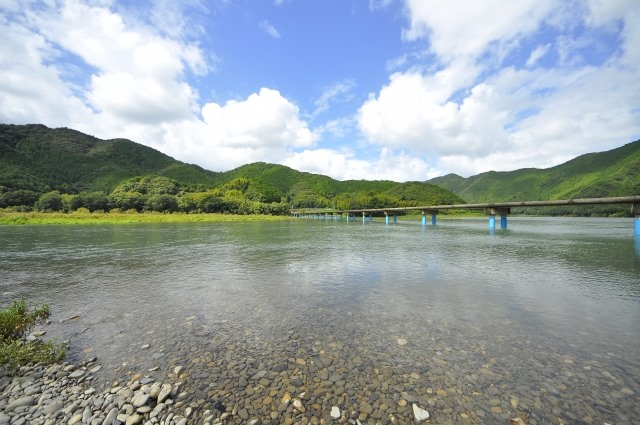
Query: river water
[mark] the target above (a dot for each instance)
(540, 321)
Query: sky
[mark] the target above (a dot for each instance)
(354, 89)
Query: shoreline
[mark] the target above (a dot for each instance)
(26, 218)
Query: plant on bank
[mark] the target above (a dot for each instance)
(16, 321)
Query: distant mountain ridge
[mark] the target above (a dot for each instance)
(38, 159)
(603, 174)
(35, 160)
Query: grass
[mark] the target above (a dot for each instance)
(17, 218)
(15, 322)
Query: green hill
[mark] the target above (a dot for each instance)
(594, 175)
(102, 174)
(37, 158)
(604, 174)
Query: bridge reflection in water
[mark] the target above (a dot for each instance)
(492, 209)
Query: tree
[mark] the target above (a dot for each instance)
(93, 201)
(128, 200)
(18, 197)
(50, 201)
(162, 203)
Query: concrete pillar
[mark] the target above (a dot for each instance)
(492, 222)
(370, 217)
(635, 209)
(395, 218)
(433, 219)
(364, 217)
(386, 217)
(424, 218)
(502, 212)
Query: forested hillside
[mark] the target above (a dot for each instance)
(65, 170)
(604, 174)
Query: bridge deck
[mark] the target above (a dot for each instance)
(487, 205)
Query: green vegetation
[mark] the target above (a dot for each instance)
(86, 217)
(62, 170)
(15, 322)
(595, 175)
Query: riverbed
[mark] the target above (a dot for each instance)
(540, 321)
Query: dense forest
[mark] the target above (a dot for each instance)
(594, 175)
(65, 170)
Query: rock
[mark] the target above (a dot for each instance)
(335, 412)
(21, 402)
(53, 407)
(111, 416)
(140, 399)
(133, 419)
(420, 414)
(402, 341)
(177, 370)
(75, 419)
(297, 404)
(79, 373)
(165, 390)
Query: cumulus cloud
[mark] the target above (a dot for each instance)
(471, 114)
(343, 164)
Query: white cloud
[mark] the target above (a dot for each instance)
(470, 116)
(265, 119)
(537, 54)
(462, 28)
(343, 164)
(269, 29)
(339, 91)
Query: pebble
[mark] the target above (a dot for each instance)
(26, 398)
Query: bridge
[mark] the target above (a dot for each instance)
(492, 209)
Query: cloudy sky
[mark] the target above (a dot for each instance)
(372, 89)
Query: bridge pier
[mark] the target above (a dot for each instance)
(364, 217)
(433, 213)
(386, 217)
(635, 209)
(502, 212)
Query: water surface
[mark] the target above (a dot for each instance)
(546, 312)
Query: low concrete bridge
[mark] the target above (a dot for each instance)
(492, 209)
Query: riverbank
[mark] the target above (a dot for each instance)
(18, 218)
(63, 393)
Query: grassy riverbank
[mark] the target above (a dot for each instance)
(16, 218)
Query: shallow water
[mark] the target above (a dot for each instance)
(546, 312)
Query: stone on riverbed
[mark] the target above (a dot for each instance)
(335, 412)
(420, 414)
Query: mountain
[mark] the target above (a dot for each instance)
(101, 174)
(603, 174)
(35, 157)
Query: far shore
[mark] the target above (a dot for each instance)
(19, 218)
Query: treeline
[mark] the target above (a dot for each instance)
(151, 193)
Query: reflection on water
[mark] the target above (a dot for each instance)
(562, 287)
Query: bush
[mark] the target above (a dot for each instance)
(15, 322)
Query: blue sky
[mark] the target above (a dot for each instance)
(353, 89)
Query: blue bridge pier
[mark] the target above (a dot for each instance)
(431, 212)
(502, 212)
(635, 210)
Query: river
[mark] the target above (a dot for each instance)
(540, 321)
